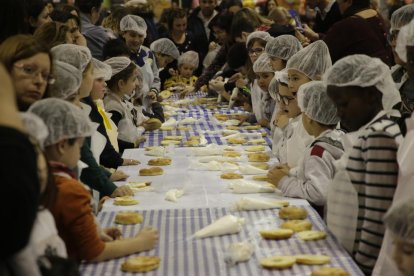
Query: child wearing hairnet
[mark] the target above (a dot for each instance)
(292, 139)
(187, 64)
(166, 54)
(263, 105)
(280, 49)
(72, 211)
(363, 188)
(134, 31)
(317, 168)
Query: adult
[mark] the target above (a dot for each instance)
(73, 22)
(38, 13)
(327, 14)
(96, 36)
(361, 31)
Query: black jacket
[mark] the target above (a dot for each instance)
(333, 16)
(109, 158)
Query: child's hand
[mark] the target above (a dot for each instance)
(235, 77)
(281, 120)
(240, 83)
(111, 234)
(173, 72)
(277, 173)
(118, 175)
(101, 202)
(122, 191)
(130, 162)
(263, 123)
(212, 46)
(148, 238)
(152, 95)
(216, 85)
(140, 139)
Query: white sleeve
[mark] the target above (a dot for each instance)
(318, 173)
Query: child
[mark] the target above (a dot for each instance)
(364, 93)
(187, 64)
(166, 53)
(263, 104)
(317, 168)
(280, 49)
(306, 65)
(72, 211)
(399, 220)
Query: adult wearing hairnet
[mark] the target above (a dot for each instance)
(280, 49)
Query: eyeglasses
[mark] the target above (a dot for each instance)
(284, 99)
(392, 36)
(255, 51)
(32, 71)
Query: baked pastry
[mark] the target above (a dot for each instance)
(330, 271)
(293, 212)
(311, 235)
(231, 175)
(297, 225)
(263, 166)
(168, 142)
(254, 148)
(276, 234)
(257, 141)
(310, 259)
(258, 157)
(141, 264)
(232, 127)
(138, 184)
(154, 148)
(152, 124)
(160, 162)
(278, 262)
(264, 134)
(260, 177)
(192, 143)
(231, 154)
(238, 141)
(125, 201)
(165, 94)
(183, 128)
(128, 218)
(253, 127)
(172, 137)
(167, 128)
(221, 117)
(151, 171)
(194, 137)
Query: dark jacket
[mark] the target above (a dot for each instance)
(109, 158)
(323, 25)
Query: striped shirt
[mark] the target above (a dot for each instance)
(373, 171)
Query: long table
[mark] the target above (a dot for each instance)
(207, 199)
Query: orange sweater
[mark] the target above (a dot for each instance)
(75, 221)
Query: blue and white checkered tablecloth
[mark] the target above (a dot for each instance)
(182, 255)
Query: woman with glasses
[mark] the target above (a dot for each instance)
(29, 65)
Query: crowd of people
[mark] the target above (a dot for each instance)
(80, 85)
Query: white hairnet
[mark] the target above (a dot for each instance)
(400, 220)
(402, 17)
(258, 34)
(405, 38)
(283, 47)
(262, 64)
(101, 70)
(133, 23)
(78, 56)
(313, 60)
(68, 79)
(314, 101)
(165, 46)
(35, 127)
(189, 57)
(364, 71)
(118, 64)
(63, 120)
(279, 77)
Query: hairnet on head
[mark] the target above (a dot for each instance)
(402, 17)
(400, 220)
(35, 127)
(314, 101)
(258, 34)
(189, 57)
(313, 60)
(283, 47)
(364, 71)
(101, 70)
(405, 38)
(75, 55)
(63, 120)
(165, 46)
(279, 77)
(68, 79)
(262, 64)
(133, 23)
(118, 64)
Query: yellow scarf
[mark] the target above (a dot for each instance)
(99, 105)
